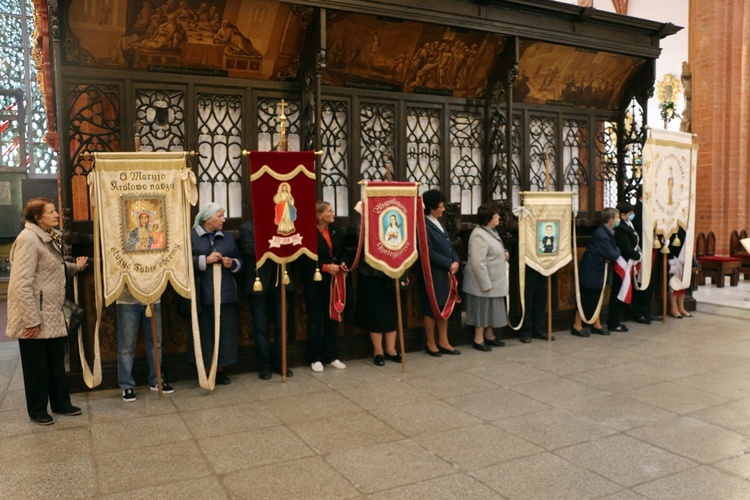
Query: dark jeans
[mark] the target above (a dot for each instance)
(44, 378)
(535, 298)
(321, 329)
(266, 311)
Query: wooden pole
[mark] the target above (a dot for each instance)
(400, 325)
(283, 324)
(664, 294)
(155, 343)
(549, 308)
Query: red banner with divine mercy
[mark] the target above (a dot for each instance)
(282, 185)
(389, 213)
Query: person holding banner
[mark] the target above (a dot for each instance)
(600, 252)
(444, 263)
(332, 259)
(36, 293)
(677, 260)
(266, 304)
(485, 284)
(211, 246)
(628, 242)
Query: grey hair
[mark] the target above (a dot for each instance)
(608, 214)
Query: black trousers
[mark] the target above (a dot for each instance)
(266, 312)
(321, 329)
(44, 378)
(642, 298)
(535, 297)
(615, 305)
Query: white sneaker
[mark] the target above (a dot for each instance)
(317, 366)
(337, 364)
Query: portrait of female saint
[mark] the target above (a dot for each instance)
(392, 224)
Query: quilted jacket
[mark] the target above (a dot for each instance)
(36, 291)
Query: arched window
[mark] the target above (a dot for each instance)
(23, 120)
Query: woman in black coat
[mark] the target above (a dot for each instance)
(321, 329)
(628, 242)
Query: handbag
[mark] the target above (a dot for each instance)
(73, 315)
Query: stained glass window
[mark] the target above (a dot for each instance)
(18, 72)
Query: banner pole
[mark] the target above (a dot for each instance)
(155, 343)
(400, 324)
(664, 297)
(549, 308)
(283, 324)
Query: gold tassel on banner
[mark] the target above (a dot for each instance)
(317, 276)
(285, 280)
(257, 286)
(148, 312)
(665, 249)
(676, 241)
(657, 243)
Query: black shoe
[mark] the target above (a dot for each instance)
(642, 320)
(395, 357)
(578, 333)
(379, 360)
(70, 411)
(43, 419)
(542, 336)
(221, 378)
(675, 316)
(494, 342)
(525, 340)
(264, 374)
(434, 354)
(481, 347)
(452, 352)
(600, 331)
(655, 317)
(619, 329)
(289, 372)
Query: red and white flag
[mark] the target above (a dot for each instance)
(624, 270)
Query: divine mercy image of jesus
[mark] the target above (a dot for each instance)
(285, 214)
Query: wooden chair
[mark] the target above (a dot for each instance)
(717, 266)
(735, 246)
(742, 254)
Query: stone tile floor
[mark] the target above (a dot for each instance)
(660, 412)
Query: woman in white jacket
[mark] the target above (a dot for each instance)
(36, 294)
(485, 285)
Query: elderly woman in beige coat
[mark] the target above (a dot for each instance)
(485, 285)
(36, 294)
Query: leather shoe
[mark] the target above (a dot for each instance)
(675, 316)
(71, 411)
(395, 357)
(434, 354)
(264, 374)
(494, 342)
(578, 333)
(379, 360)
(642, 320)
(655, 317)
(542, 336)
(452, 352)
(600, 331)
(481, 347)
(43, 419)
(221, 378)
(525, 340)
(619, 329)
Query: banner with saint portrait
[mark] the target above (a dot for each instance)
(669, 170)
(389, 215)
(283, 192)
(544, 230)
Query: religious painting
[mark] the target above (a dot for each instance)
(548, 237)
(285, 212)
(143, 223)
(405, 56)
(575, 76)
(392, 230)
(259, 39)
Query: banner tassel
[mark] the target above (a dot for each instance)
(148, 312)
(676, 242)
(657, 243)
(317, 276)
(257, 286)
(285, 280)
(665, 249)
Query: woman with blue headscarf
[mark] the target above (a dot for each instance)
(211, 246)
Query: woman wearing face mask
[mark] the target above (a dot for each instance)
(600, 252)
(628, 242)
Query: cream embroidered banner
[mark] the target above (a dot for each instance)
(141, 205)
(669, 166)
(544, 230)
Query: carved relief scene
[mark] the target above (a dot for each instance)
(405, 56)
(560, 74)
(258, 39)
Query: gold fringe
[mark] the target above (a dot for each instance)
(286, 260)
(391, 191)
(265, 169)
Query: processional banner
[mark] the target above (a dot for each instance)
(283, 191)
(544, 229)
(389, 214)
(141, 229)
(669, 167)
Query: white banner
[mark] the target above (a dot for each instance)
(669, 166)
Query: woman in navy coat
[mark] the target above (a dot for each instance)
(600, 251)
(444, 263)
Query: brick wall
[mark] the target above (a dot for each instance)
(719, 51)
